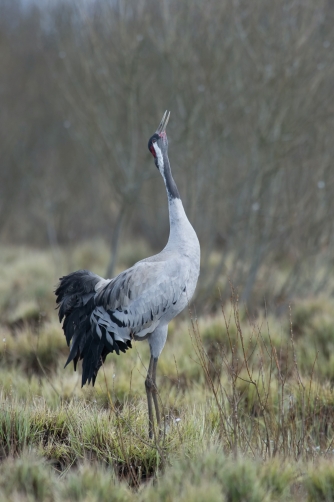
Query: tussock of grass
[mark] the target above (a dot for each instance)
(27, 478)
(95, 483)
(33, 351)
(26, 312)
(320, 481)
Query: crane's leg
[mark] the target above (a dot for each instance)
(155, 392)
(157, 341)
(148, 386)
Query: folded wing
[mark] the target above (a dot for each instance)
(103, 316)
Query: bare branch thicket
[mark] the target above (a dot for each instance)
(250, 90)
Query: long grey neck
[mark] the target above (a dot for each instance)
(181, 234)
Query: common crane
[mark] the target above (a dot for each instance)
(104, 315)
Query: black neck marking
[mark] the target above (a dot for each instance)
(171, 187)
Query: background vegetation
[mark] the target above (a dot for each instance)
(250, 89)
(246, 378)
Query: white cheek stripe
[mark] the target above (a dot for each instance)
(160, 159)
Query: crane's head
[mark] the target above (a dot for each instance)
(158, 143)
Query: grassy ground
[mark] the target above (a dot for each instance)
(248, 403)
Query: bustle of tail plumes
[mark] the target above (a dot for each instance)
(90, 340)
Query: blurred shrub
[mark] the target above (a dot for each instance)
(320, 482)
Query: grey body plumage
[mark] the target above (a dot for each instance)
(105, 315)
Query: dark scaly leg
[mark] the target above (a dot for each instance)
(149, 386)
(157, 341)
(155, 392)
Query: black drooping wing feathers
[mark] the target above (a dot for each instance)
(73, 289)
(76, 301)
(95, 353)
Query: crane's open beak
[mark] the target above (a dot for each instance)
(163, 124)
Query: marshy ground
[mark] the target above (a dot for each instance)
(247, 401)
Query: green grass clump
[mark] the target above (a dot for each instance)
(27, 278)
(320, 482)
(31, 478)
(34, 351)
(27, 478)
(214, 476)
(95, 483)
